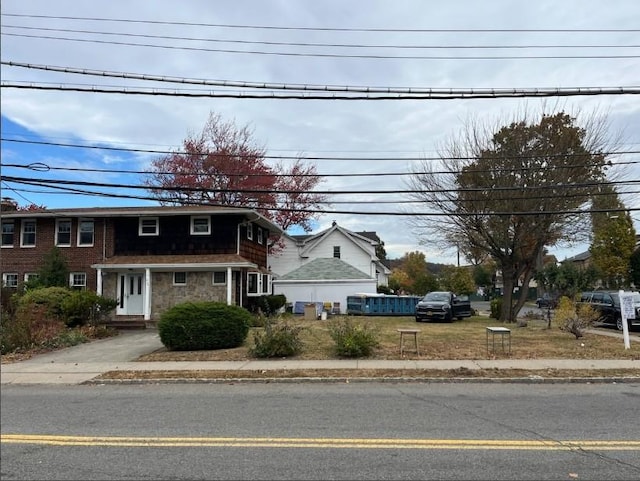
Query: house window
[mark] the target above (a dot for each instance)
(78, 280)
(258, 284)
(200, 225)
(148, 226)
(252, 283)
(85, 232)
(63, 232)
(8, 229)
(179, 278)
(31, 276)
(250, 231)
(336, 252)
(28, 233)
(10, 279)
(260, 239)
(219, 278)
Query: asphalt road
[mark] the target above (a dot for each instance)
(321, 431)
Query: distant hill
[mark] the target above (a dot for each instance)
(433, 268)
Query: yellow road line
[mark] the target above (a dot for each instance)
(272, 442)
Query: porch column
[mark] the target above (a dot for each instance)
(147, 294)
(229, 287)
(99, 282)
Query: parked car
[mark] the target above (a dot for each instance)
(443, 306)
(607, 304)
(547, 301)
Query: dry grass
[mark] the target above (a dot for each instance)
(384, 374)
(459, 340)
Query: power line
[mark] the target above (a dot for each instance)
(210, 94)
(333, 29)
(42, 167)
(315, 45)
(301, 157)
(306, 87)
(323, 55)
(553, 189)
(333, 212)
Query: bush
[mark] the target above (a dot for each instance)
(50, 298)
(279, 339)
(85, 307)
(193, 326)
(496, 307)
(267, 305)
(573, 320)
(353, 340)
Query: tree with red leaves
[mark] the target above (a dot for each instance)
(222, 165)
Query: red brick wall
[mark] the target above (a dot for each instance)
(22, 260)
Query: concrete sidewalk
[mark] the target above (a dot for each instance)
(82, 363)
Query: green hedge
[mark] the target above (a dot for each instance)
(205, 325)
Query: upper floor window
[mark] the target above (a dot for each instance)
(85, 232)
(78, 280)
(8, 229)
(200, 225)
(10, 279)
(63, 232)
(148, 226)
(250, 231)
(28, 233)
(179, 278)
(219, 277)
(260, 234)
(336, 252)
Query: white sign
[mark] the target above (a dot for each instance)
(626, 303)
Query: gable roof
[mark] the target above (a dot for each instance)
(330, 268)
(309, 243)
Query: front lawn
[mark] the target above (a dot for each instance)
(464, 339)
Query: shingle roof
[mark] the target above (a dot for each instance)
(325, 269)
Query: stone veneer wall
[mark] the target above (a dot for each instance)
(199, 287)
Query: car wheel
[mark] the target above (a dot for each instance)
(619, 323)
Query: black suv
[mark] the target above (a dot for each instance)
(607, 304)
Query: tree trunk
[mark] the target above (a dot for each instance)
(508, 282)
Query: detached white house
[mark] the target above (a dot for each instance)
(327, 267)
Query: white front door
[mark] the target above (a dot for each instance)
(131, 294)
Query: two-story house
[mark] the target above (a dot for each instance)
(147, 258)
(328, 266)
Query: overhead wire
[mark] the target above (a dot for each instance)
(327, 29)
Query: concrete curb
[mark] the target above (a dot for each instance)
(349, 380)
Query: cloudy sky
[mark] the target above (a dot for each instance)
(398, 44)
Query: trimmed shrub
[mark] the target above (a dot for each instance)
(193, 326)
(353, 340)
(279, 339)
